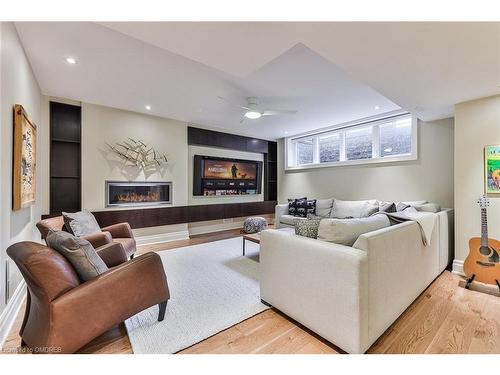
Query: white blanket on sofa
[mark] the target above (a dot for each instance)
(426, 221)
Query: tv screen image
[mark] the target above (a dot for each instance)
(229, 170)
(215, 176)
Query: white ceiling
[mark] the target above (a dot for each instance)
(330, 72)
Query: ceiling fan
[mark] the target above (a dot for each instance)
(253, 111)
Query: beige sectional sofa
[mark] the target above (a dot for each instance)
(351, 294)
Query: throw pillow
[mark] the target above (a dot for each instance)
(306, 207)
(307, 228)
(78, 252)
(427, 207)
(324, 207)
(387, 207)
(80, 223)
(292, 205)
(344, 209)
(402, 206)
(347, 231)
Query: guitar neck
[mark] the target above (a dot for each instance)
(484, 227)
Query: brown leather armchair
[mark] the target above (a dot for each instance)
(120, 234)
(62, 314)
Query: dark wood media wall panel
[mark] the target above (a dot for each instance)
(204, 137)
(152, 217)
(65, 158)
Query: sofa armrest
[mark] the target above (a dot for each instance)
(279, 210)
(96, 305)
(99, 239)
(121, 230)
(320, 284)
(112, 254)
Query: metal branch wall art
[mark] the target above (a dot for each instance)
(138, 154)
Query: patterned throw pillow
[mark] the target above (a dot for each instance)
(292, 205)
(306, 207)
(307, 228)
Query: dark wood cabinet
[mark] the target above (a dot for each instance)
(204, 137)
(151, 217)
(65, 158)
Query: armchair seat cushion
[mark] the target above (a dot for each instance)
(128, 245)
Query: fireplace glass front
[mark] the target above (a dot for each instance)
(137, 193)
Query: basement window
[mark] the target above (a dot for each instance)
(390, 138)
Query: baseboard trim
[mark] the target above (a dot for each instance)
(10, 312)
(458, 267)
(162, 237)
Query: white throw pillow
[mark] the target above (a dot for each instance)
(353, 209)
(347, 231)
(324, 207)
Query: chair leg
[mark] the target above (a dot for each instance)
(163, 307)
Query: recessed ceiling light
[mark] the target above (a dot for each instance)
(148, 107)
(71, 60)
(253, 115)
(377, 107)
(286, 132)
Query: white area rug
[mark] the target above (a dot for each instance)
(212, 287)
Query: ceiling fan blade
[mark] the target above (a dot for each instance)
(233, 104)
(276, 113)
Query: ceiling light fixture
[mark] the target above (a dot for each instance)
(377, 107)
(71, 60)
(253, 115)
(148, 107)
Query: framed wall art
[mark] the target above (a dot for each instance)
(24, 163)
(492, 169)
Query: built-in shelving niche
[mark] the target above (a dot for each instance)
(65, 158)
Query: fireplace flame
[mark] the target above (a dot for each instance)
(151, 196)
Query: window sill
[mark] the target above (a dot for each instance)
(394, 159)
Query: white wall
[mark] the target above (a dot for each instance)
(477, 124)
(103, 124)
(223, 153)
(430, 177)
(17, 86)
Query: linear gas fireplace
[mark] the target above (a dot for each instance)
(137, 193)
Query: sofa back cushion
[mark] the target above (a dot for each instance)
(324, 207)
(347, 231)
(353, 209)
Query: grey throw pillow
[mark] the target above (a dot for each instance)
(81, 223)
(79, 253)
(387, 207)
(307, 228)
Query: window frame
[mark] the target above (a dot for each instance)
(373, 122)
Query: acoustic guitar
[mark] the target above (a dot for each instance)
(483, 262)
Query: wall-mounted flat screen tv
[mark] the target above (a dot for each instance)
(214, 176)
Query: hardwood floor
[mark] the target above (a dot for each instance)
(446, 318)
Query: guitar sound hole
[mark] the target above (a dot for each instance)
(485, 250)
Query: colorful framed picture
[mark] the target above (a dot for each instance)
(492, 169)
(24, 164)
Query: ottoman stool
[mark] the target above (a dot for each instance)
(254, 224)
